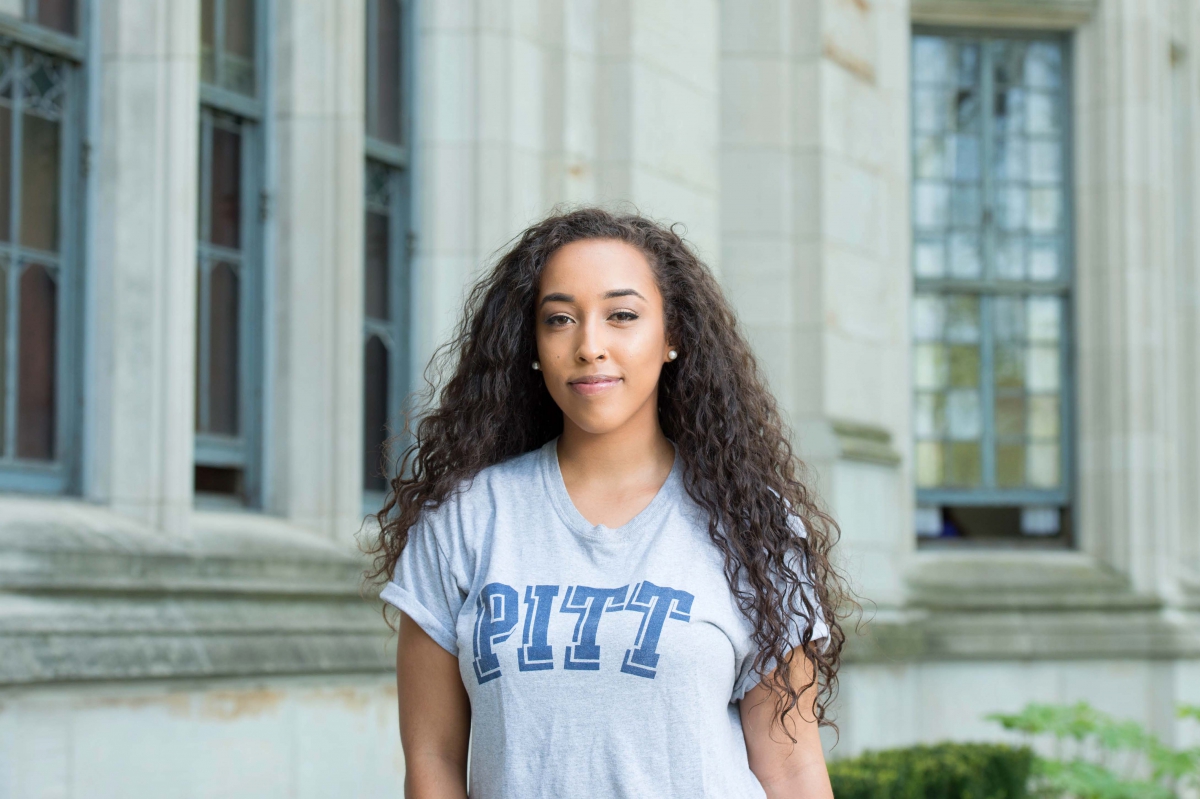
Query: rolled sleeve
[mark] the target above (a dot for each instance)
(424, 587)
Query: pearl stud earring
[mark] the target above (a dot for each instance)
(672, 354)
(536, 366)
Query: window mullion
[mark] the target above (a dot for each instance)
(398, 286)
(249, 270)
(987, 122)
(987, 383)
(69, 154)
(204, 264)
(987, 392)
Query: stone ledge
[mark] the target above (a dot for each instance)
(86, 594)
(940, 636)
(75, 546)
(54, 638)
(865, 443)
(1034, 14)
(996, 580)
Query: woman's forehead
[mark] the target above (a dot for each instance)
(595, 268)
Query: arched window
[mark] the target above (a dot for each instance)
(229, 256)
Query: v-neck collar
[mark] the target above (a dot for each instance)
(556, 489)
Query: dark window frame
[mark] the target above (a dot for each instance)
(387, 189)
(238, 457)
(61, 474)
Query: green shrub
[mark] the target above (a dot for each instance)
(940, 771)
(1100, 757)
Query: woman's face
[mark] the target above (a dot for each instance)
(599, 318)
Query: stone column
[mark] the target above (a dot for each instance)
(314, 417)
(139, 372)
(658, 113)
(1127, 328)
(1185, 169)
(814, 214)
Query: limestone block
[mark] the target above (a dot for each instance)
(756, 190)
(754, 27)
(447, 114)
(755, 96)
(678, 38)
(675, 129)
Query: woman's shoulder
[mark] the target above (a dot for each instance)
(471, 505)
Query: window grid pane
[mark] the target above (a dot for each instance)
(385, 71)
(375, 412)
(220, 286)
(58, 14)
(989, 214)
(37, 362)
(223, 349)
(229, 44)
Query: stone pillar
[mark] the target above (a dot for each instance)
(1185, 169)
(814, 212)
(1128, 334)
(141, 305)
(314, 415)
(658, 113)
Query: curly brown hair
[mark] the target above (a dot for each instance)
(738, 463)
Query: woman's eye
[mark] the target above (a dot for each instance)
(625, 316)
(557, 320)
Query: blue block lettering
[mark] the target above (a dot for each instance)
(536, 654)
(590, 604)
(656, 604)
(495, 619)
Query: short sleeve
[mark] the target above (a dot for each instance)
(424, 587)
(747, 677)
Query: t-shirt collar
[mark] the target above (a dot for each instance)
(556, 489)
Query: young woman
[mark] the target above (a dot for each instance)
(612, 581)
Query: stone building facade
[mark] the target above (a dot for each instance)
(960, 234)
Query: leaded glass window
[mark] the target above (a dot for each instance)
(991, 263)
(387, 239)
(228, 274)
(38, 178)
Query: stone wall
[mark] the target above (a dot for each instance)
(233, 648)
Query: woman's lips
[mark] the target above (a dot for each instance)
(596, 387)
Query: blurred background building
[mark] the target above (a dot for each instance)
(960, 233)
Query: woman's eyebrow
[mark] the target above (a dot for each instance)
(558, 296)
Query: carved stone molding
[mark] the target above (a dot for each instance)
(1038, 14)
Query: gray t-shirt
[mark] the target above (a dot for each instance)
(600, 662)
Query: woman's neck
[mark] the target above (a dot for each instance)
(636, 451)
